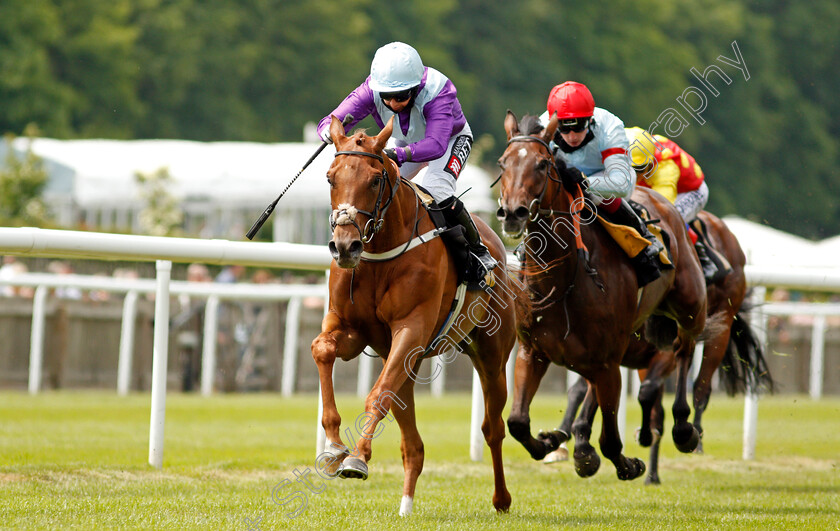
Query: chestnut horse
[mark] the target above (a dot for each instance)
(387, 293)
(587, 305)
(729, 344)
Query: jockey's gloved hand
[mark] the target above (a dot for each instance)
(392, 154)
(577, 175)
(325, 136)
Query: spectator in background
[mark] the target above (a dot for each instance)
(189, 324)
(262, 276)
(59, 267)
(231, 274)
(11, 268)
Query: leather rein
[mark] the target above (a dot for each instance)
(534, 209)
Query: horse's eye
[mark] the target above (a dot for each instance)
(542, 165)
(376, 182)
(329, 181)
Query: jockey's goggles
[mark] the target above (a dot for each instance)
(576, 125)
(398, 97)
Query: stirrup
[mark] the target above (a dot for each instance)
(482, 267)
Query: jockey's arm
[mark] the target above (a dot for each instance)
(358, 103)
(617, 179)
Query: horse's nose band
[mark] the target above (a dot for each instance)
(346, 216)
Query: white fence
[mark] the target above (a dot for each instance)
(97, 246)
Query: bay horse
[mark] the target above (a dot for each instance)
(730, 345)
(391, 287)
(586, 298)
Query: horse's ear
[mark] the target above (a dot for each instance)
(511, 125)
(382, 138)
(551, 128)
(336, 130)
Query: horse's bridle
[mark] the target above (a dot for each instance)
(534, 210)
(377, 216)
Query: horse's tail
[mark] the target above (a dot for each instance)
(715, 326)
(744, 365)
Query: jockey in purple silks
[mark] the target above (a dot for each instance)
(430, 129)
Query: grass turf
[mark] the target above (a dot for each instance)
(78, 460)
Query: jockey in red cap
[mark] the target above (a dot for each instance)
(592, 140)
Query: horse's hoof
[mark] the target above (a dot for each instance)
(652, 480)
(699, 449)
(501, 502)
(558, 455)
(587, 465)
(635, 468)
(353, 468)
(644, 438)
(684, 440)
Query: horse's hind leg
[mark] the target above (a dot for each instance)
(494, 385)
(586, 458)
(608, 392)
(411, 446)
(650, 392)
(563, 433)
(575, 395)
(657, 426)
(686, 437)
(713, 351)
(528, 373)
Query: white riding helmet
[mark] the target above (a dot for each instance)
(395, 67)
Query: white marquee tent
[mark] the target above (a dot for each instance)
(764, 245)
(221, 185)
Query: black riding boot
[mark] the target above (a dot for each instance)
(647, 262)
(714, 265)
(710, 270)
(482, 262)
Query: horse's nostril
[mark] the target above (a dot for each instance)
(521, 212)
(356, 247)
(501, 213)
(333, 248)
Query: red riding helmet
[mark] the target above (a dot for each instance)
(571, 100)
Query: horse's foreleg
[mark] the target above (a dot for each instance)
(324, 353)
(608, 392)
(405, 350)
(685, 435)
(527, 375)
(586, 458)
(411, 446)
(327, 346)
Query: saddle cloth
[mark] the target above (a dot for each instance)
(632, 243)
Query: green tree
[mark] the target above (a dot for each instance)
(22, 181)
(162, 215)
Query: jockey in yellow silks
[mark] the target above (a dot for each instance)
(664, 166)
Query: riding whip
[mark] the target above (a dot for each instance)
(270, 208)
